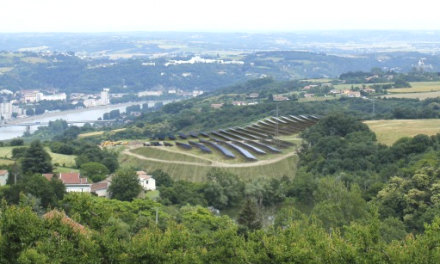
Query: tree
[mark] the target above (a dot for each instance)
(36, 159)
(95, 171)
(18, 152)
(17, 142)
(249, 215)
(223, 189)
(125, 185)
(30, 112)
(162, 178)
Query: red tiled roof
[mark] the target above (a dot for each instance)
(72, 178)
(48, 176)
(66, 220)
(100, 185)
(3, 172)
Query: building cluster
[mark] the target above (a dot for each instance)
(75, 183)
(159, 91)
(35, 96)
(198, 59)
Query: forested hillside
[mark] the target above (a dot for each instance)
(69, 73)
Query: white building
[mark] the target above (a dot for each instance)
(6, 111)
(147, 182)
(197, 93)
(73, 182)
(52, 97)
(90, 103)
(4, 174)
(101, 188)
(105, 99)
(150, 93)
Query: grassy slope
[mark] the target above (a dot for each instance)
(68, 160)
(197, 173)
(389, 131)
(421, 96)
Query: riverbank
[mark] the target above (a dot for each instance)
(79, 110)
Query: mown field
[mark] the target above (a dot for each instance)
(418, 87)
(389, 131)
(421, 96)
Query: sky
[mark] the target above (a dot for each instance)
(215, 16)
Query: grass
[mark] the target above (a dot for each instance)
(316, 99)
(33, 60)
(68, 160)
(152, 195)
(418, 87)
(421, 96)
(157, 153)
(6, 69)
(348, 86)
(6, 161)
(196, 173)
(389, 131)
(65, 170)
(98, 133)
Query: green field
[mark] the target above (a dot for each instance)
(348, 86)
(157, 153)
(197, 173)
(421, 96)
(418, 87)
(67, 160)
(389, 131)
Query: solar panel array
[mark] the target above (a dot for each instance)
(257, 138)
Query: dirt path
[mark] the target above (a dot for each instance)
(213, 163)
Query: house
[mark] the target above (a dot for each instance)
(254, 95)
(4, 174)
(72, 181)
(147, 182)
(216, 106)
(309, 95)
(368, 90)
(101, 188)
(238, 103)
(280, 98)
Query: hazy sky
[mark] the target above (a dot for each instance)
(219, 15)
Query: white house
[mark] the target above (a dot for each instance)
(73, 182)
(101, 188)
(4, 174)
(147, 182)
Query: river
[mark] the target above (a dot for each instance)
(71, 115)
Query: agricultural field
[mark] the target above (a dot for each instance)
(418, 87)
(98, 133)
(64, 160)
(420, 96)
(389, 131)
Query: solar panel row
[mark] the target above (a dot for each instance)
(242, 151)
(200, 146)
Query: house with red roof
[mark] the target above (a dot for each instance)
(100, 188)
(72, 181)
